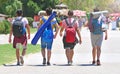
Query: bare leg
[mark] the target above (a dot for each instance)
(71, 54)
(67, 54)
(43, 53)
(18, 54)
(44, 56)
(23, 52)
(98, 55)
(94, 54)
(48, 55)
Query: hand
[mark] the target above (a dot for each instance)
(80, 41)
(106, 37)
(60, 34)
(54, 36)
(28, 36)
(9, 40)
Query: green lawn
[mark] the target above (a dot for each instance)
(7, 52)
(33, 30)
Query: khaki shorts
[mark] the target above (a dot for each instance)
(96, 39)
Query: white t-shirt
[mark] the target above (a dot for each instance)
(24, 20)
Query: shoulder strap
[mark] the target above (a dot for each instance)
(43, 19)
(71, 24)
(17, 19)
(66, 22)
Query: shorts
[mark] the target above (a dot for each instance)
(96, 39)
(68, 45)
(47, 45)
(20, 40)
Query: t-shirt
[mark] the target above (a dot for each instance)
(46, 17)
(24, 20)
(72, 19)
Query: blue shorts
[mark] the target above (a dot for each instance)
(47, 45)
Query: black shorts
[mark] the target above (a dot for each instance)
(68, 45)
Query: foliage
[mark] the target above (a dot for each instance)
(30, 7)
(7, 26)
(12, 6)
(33, 8)
(2, 2)
(4, 27)
(30, 20)
(88, 5)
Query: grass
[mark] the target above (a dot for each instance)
(33, 30)
(7, 52)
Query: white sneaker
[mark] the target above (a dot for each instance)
(21, 60)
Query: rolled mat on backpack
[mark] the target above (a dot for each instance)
(97, 14)
(42, 28)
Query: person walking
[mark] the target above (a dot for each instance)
(47, 36)
(18, 29)
(95, 26)
(70, 26)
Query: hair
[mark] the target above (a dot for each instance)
(96, 10)
(49, 11)
(19, 12)
(70, 13)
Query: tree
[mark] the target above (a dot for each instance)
(88, 5)
(30, 7)
(33, 8)
(10, 7)
(2, 2)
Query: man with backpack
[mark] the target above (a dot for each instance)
(48, 36)
(18, 29)
(70, 25)
(95, 26)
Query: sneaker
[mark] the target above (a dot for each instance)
(48, 63)
(18, 63)
(69, 62)
(93, 62)
(21, 60)
(98, 63)
(44, 61)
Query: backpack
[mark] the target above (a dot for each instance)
(18, 27)
(47, 35)
(70, 32)
(97, 26)
(90, 26)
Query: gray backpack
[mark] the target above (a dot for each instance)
(18, 27)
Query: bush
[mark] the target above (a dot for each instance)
(4, 27)
(30, 20)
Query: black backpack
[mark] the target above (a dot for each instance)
(18, 27)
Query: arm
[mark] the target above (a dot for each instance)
(86, 24)
(61, 30)
(79, 35)
(106, 35)
(28, 30)
(10, 35)
(40, 23)
(57, 30)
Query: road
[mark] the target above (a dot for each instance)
(82, 58)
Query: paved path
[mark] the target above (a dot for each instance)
(82, 59)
